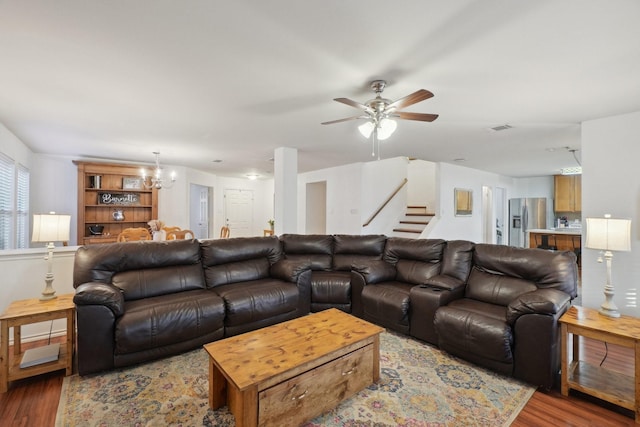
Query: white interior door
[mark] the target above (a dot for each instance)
(199, 217)
(238, 209)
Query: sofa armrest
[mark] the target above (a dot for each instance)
(97, 293)
(376, 271)
(289, 270)
(543, 301)
(446, 282)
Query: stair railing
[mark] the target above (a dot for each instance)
(386, 202)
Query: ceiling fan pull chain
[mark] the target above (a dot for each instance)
(373, 142)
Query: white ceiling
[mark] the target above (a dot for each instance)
(233, 80)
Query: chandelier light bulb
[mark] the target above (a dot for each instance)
(156, 180)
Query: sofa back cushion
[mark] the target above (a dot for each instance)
(315, 249)
(240, 259)
(131, 266)
(501, 273)
(457, 259)
(495, 288)
(151, 282)
(416, 260)
(351, 250)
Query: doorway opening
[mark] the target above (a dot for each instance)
(316, 208)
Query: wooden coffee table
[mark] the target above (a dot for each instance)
(291, 372)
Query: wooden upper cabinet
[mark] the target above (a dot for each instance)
(568, 193)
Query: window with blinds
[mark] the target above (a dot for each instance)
(14, 204)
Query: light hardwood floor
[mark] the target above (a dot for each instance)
(34, 401)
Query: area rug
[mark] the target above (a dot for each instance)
(419, 386)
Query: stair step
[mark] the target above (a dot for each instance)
(415, 222)
(407, 230)
(420, 214)
(417, 207)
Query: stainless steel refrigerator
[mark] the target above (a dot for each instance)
(524, 215)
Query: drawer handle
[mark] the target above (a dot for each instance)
(349, 372)
(301, 396)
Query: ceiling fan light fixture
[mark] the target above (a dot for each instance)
(386, 128)
(366, 129)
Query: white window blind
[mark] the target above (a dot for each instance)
(22, 208)
(14, 204)
(7, 174)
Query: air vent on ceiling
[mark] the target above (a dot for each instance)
(501, 127)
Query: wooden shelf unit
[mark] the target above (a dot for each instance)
(92, 212)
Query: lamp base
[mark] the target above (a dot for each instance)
(48, 297)
(609, 312)
(48, 293)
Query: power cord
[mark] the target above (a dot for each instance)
(606, 352)
(50, 332)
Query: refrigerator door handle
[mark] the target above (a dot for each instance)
(525, 219)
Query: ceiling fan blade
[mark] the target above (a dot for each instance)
(352, 103)
(344, 120)
(415, 97)
(415, 116)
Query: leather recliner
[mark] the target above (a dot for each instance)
(507, 320)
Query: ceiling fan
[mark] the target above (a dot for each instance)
(380, 112)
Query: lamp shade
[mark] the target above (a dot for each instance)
(366, 129)
(51, 228)
(608, 234)
(386, 128)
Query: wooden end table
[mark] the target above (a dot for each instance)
(288, 373)
(29, 311)
(619, 389)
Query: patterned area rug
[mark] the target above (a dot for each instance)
(419, 386)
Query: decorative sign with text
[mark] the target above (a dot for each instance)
(109, 198)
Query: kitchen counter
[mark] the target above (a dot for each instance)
(565, 239)
(565, 230)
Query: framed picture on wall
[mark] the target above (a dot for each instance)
(463, 200)
(130, 183)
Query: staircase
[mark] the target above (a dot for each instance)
(414, 222)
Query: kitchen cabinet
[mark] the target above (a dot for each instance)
(112, 196)
(568, 193)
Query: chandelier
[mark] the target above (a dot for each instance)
(156, 180)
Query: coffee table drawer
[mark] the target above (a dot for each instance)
(309, 394)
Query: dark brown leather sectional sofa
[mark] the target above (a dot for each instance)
(496, 306)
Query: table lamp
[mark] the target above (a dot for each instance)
(50, 228)
(608, 234)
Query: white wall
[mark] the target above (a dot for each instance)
(421, 189)
(53, 187)
(451, 227)
(343, 198)
(611, 184)
(380, 179)
(23, 274)
(14, 148)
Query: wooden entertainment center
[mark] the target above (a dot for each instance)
(114, 197)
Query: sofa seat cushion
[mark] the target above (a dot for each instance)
(479, 337)
(167, 319)
(387, 304)
(496, 312)
(331, 287)
(254, 301)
